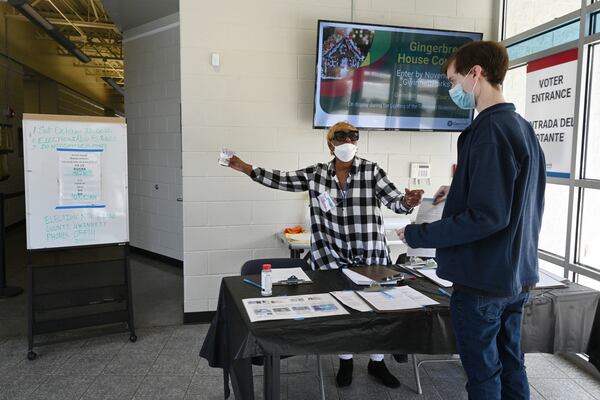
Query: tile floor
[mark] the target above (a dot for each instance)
(164, 362)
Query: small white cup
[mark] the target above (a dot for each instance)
(225, 155)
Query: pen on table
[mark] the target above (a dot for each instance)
(249, 282)
(386, 294)
(442, 291)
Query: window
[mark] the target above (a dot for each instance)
(514, 87)
(553, 236)
(553, 26)
(589, 249)
(592, 163)
(552, 268)
(589, 282)
(546, 40)
(522, 15)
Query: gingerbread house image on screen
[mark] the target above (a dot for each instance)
(340, 55)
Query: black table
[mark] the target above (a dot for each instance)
(555, 320)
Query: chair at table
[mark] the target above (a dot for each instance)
(254, 267)
(401, 358)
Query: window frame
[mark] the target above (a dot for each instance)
(586, 16)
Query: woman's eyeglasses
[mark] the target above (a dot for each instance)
(342, 136)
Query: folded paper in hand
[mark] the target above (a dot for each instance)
(427, 213)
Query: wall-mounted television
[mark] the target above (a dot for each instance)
(386, 77)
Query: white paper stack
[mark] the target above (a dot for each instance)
(396, 299)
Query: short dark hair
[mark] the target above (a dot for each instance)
(490, 55)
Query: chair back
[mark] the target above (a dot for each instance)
(253, 267)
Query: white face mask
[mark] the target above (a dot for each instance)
(345, 152)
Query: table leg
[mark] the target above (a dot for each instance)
(242, 381)
(271, 377)
(276, 377)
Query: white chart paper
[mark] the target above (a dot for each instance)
(292, 307)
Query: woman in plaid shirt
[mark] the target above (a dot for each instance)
(345, 212)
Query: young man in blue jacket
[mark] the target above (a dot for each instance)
(487, 239)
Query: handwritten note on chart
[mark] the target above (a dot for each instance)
(75, 180)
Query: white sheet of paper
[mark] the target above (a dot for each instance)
(359, 279)
(431, 273)
(292, 307)
(548, 280)
(390, 300)
(349, 298)
(79, 178)
(427, 213)
(283, 274)
(417, 296)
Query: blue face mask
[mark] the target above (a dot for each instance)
(462, 99)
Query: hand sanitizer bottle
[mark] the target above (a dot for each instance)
(265, 280)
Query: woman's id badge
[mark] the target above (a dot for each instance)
(325, 202)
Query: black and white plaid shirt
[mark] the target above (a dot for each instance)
(351, 232)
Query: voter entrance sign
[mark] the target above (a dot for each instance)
(550, 108)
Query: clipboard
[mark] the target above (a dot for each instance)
(378, 273)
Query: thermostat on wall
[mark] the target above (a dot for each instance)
(420, 172)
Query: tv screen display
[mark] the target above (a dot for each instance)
(385, 77)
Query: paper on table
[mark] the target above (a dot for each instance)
(431, 273)
(417, 296)
(548, 280)
(427, 213)
(359, 279)
(389, 300)
(283, 274)
(292, 307)
(349, 298)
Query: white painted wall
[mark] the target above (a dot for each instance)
(259, 102)
(152, 98)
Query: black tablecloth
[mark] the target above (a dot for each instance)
(555, 320)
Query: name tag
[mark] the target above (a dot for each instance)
(325, 202)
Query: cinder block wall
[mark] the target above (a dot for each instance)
(259, 102)
(152, 105)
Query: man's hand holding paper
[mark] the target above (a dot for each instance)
(430, 211)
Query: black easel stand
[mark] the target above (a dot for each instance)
(78, 287)
(5, 291)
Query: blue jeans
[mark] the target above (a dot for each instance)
(488, 337)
